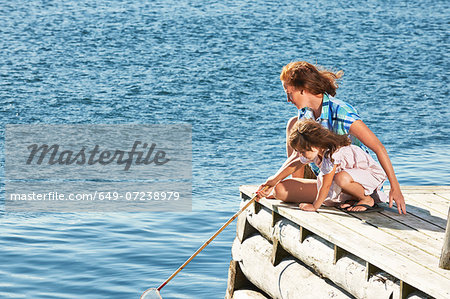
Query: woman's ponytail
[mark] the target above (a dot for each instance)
(303, 75)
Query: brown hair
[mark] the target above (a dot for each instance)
(307, 134)
(303, 75)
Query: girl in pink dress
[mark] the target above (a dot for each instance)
(349, 177)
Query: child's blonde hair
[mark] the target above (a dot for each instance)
(307, 134)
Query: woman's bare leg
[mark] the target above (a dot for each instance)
(299, 173)
(344, 180)
(296, 190)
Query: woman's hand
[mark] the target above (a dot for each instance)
(397, 196)
(307, 207)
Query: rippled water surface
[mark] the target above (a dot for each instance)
(215, 65)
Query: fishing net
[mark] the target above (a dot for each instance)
(151, 294)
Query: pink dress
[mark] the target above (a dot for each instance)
(359, 165)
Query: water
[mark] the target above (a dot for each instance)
(214, 65)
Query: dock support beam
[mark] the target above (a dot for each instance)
(243, 228)
(257, 207)
(371, 270)
(278, 252)
(245, 196)
(406, 290)
(275, 218)
(304, 233)
(236, 279)
(444, 262)
(338, 253)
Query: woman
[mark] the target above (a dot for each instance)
(311, 91)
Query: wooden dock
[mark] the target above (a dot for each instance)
(365, 255)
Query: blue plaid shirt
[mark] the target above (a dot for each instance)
(337, 116)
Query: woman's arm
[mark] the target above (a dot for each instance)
(366, 136)
(322, 194)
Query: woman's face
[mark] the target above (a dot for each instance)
(295, 96)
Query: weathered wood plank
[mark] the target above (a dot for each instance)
(445, 195)
(414, 255)
(420, 189)
(424, 226)
(415, 195)
(403, 232)
(442, 191)
(421, 211)
(429, 202)
(402, 262)
(430, 216)
(248, 190)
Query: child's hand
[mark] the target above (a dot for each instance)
(307, 207)
(263, 191)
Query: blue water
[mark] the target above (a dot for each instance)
(215, 65)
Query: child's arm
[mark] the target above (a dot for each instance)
(289, 166)
(292, 164)
(322, 192)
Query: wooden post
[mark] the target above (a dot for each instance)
(245, 196)
(338, 253)
(405, 290)
(278, 252)
(304, 233)
(243, 228)
(236, 279)
(275, 218)
(257, 207)
(371, 270)
(444, 262)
